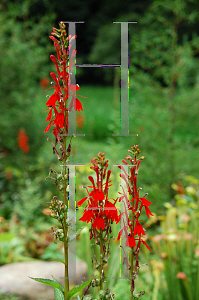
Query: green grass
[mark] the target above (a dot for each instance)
(98, 109)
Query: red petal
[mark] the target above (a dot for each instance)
(143, 242)
(102, 224)
(52, 100)
(95, 223)
(92, 180)
(119, 234)
(74, 87)
(78, 105)
(49, 115)
(119, 218)
(97, 196)
(145, 202)
(138, 229)
(48, 127)
(55, 132)
(81, 201)
(86, 216)
(131, 240)
(148, 212)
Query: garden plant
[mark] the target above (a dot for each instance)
(101, 210)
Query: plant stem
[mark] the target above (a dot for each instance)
(132, 255)
(65, 229)
(101, 261)
(131, 273)
(66, 175)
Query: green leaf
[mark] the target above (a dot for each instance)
(58, 294)
(6, 236)
(60, 285)
(78, 288)
(48, 282)
(60, 260)
(73, 236)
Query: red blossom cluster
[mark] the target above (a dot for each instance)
(23, 140)
(63, 100)
(133, 229)
(100, 211)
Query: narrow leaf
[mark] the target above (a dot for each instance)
(47, 282)
(78, 288)
(58, 294)
(60, 285)
(60, 260)
(73, 236)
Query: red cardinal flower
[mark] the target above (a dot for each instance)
(78, 105)
(138, 230)
(133, 230)
(23, 140)
(134, 227)
(99, 222)
(131, 241)
(61, 102)
(100, 211)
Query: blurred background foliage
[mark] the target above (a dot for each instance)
(163, 110)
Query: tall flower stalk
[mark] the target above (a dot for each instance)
(100, 209)
(101, 212)
(59, 106)
(134, 206)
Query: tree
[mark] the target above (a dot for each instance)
(163, 66)
(164, 59)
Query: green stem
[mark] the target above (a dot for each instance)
(131, 252)
(65, 229)
(101, 261)
(65, 174)
(131, 273)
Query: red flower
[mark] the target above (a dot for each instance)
(148, 212)
(99, 223)
(52, 100)
(143, 242)
(87, 215)
(59, 104)
(44, 82)
(132, 227)
(74, 87)
(80, 121)
(131, 241)
(78, 105)
(81, 201)
(100, 211)
(23, 140)
(138, 229)
(111, 212)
